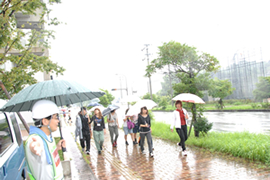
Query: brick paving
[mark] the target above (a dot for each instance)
(127, 162)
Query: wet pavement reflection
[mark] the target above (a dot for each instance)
(127, 162)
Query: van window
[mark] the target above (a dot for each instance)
(16, 128)
(5, 134)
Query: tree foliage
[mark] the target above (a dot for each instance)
(262, 90)
(221, 89)
(166, 91)
(24, 42)
(106, 99)
(148, 96)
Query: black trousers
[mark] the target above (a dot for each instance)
(86, 138)
(182, 133)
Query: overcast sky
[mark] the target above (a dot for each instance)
(105, 38)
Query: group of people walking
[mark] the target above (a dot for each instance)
(141, 123)
(132, 125)
(41, 150)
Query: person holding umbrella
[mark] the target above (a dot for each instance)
(40, 148)
(85, 121)
(179, 121)
(144, 122)
(113, 127)
(99, 129)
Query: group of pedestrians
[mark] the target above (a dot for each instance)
(41, 150)
(140, 123)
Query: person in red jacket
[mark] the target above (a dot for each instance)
(179, 121)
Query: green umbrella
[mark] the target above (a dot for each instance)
(59, 91)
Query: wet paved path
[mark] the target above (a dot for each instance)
(127, 162)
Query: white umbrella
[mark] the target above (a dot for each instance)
(187, 97)
(136, 108)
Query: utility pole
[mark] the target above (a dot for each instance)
(147, 54)
(170, 83)
(121, 86)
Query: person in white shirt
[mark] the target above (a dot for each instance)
(179, 121)
(41, 151)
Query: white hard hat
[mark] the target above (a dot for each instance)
(44, 108)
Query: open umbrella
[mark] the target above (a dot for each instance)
(61, 92)
(136, 108)
(110, 108)
(94, 104)
(94, 100)
(188, 97)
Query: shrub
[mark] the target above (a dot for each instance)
(202, 125)
(151, 114)
(265, 105)
(254, 106)
(237, 103)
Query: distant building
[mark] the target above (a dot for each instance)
(243, 75)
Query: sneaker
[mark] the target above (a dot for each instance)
(113, 144)
(178, 144)
(126, 143)
(143, 152)
(87, 152)
(101, 148)
(152, 154)
(99, 152)
(185, 153)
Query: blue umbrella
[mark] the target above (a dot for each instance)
(110, 108)
(94, 104)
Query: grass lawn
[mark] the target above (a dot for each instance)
(60, 152)
(250, 146)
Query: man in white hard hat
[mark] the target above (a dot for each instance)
(41, 150)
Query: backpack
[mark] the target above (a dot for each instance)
(130, 124)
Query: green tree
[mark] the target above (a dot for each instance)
(148, 96)
(188, 64)
(221, 89)
(163, 102)
(166, 91)
(106, 99)
(262, 90)
(27, 64)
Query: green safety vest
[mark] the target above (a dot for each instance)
(56, 163)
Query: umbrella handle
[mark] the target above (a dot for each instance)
(63, 149)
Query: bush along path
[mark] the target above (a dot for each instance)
(127, 162)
